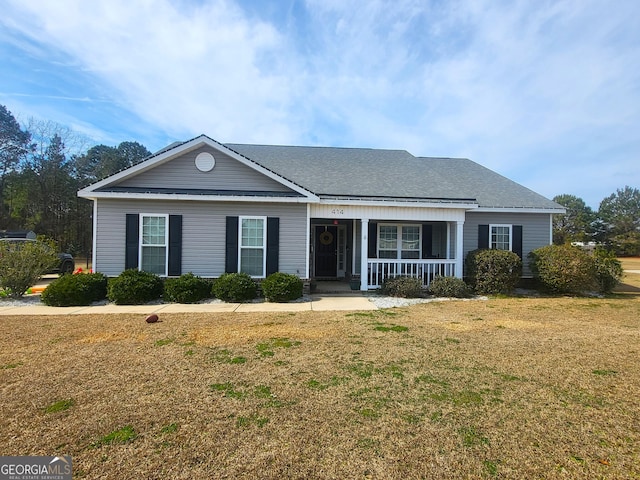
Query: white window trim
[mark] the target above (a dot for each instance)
(509, 226)
(166, 239)
(399, 240)
(264, 243)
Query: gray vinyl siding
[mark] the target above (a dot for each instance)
(181, 172)
(203, 233)
(535, 231)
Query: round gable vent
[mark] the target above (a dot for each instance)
(205, 162)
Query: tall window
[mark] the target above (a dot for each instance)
(153, 243)
(253, 241)
(500, 237)
(410, 241)
(399, 241)
(388, 241)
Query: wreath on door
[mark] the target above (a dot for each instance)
(326, 238)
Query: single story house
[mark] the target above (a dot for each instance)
(208, 208)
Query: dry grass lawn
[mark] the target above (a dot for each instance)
(630, 263)
(505, 388)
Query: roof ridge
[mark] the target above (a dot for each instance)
(319, 146)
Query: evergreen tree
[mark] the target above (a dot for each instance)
(620, 214)
(14, 146)
(576, 225)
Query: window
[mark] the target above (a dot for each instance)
(388, 241)
(410, 241)
(253, 241)
(153, 243)
(500, 237)
(399, 241)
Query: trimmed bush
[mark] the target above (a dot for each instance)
(134, 287)
(608, 270)
(75, 290)
(493, 271)
(449, 287)
(187, 288)
(563, 269)
(405, 287)
(282, 287)
(235, 287)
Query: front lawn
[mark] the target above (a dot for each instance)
(505, 388)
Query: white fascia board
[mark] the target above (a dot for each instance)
(399, 203)
(520, 210)
(192, 198)
(197, 142)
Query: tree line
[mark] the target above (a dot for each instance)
(616, 224)
(42, 167)
(44, 164)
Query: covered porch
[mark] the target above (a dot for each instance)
(367, 244)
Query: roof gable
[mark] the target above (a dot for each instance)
(227, 174)
(173, 170)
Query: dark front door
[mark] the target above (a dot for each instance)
(326, 251)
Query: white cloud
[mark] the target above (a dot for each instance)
(524, 87)
(189, 69)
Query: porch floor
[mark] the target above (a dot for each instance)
(334, 287)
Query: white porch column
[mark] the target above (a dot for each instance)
(459, 248)
(364, 254)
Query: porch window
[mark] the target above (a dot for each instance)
(500, 237)
(153, 243)
(253, 241)
(388, 241)
(399, 241)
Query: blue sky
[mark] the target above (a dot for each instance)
(546, 93)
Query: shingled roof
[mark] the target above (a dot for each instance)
(394, 174)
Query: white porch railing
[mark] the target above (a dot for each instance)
(425, 270)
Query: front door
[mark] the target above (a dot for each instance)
(326, 251)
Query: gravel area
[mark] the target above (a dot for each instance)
(26, 301)
(379, 301)
(392, 302)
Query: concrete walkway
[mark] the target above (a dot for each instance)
(316, 303)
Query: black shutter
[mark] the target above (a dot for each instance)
(483, 236)
(273, 244)
(132, 229)
(231, 245)
(373, 240)
(516, 241)
(175, 245)
(427, 240)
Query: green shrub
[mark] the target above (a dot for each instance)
(235, 287)
(405, 287)
(282, 287)
(187, 288)
(626, 245)
(608, 269)
(74, 290)
(134, 287)
(449, 287)
(491, 272)
(563, 269)
(23, 263)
